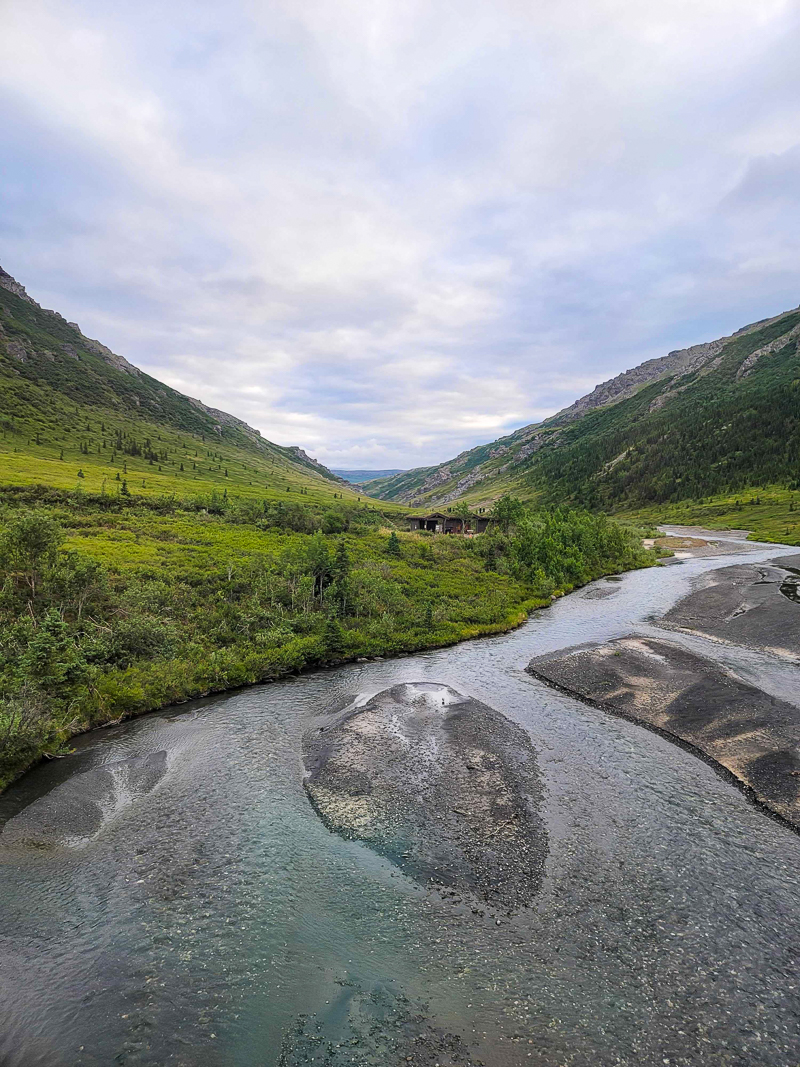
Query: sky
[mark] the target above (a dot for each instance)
(389, 230)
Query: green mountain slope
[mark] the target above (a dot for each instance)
(716, 418)
(68, 405)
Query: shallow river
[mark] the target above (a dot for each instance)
(218, 922)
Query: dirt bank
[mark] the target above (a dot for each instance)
(444, 786)
(750, 734)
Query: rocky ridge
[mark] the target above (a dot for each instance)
(501, 459)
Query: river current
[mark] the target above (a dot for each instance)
(218, 922)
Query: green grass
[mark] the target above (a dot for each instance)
(138, 604)
(47, 441)
(772, 514)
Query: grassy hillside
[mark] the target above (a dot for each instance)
(72, 413)
(720, 420)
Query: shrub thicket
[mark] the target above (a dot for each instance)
(108, 611)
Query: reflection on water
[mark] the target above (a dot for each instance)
(216, 921)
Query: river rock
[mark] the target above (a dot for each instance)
(752, 735)
(441, 784)
(752, 604)
(76, 811)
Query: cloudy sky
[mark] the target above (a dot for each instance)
(387, 230)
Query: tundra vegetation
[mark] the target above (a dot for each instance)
(114, 605)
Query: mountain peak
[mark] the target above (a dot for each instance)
(13, 286)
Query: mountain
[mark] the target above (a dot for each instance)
(722, 416)
(69, 404)
(363, 476)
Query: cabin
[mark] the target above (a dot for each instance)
(445, 522)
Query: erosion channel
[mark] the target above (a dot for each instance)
(440, 859)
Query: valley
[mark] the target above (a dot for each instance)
(707, 434)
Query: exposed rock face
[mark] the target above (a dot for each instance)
(76, 811)
(681, 361)
(14, 287)
(17, 350)
(439, 783)
(749, 733)
(765, 350)
(439, 477)
(306, 459)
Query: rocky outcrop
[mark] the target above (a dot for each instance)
(13, 286)
(307, 460)
(17, 350)
(765, 350)
(681, 361)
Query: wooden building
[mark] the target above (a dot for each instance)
(445, 522)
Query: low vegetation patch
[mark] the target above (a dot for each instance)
(111, 608)
(770, 513)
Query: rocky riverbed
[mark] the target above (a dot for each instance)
(743, 730)
(441, 784)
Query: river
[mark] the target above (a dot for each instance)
(218, 922)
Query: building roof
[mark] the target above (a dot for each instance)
(448, 515)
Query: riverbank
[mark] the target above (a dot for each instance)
(110, 613)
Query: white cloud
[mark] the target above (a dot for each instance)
(389, 232)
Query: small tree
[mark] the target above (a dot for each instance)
(393, 548)
(28, 547)
(333, 636)
(52, 661)
(508, 511)
(340, 572)
(463, 511)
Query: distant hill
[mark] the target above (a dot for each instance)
(362, 476)
(68, 404)
(718, 417)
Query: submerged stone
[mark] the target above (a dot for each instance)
(441, 784)
(77, 810)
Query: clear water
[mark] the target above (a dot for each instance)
(203, 920)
